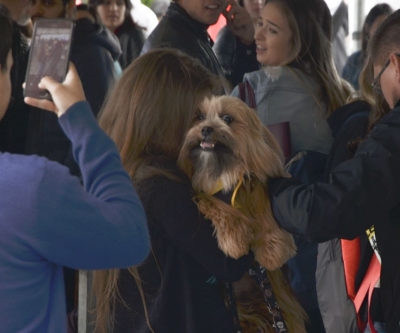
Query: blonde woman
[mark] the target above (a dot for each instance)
(299, 83)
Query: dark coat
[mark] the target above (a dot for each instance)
(178, 30)
(14, 125)
(225, 50)
(346, 128)
(363, 191)
(181, 277)
(131, 38)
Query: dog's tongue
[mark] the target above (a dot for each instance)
(205, 145)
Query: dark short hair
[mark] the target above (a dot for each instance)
(386, 39)
(6, 35)
(95, 3)
(373, 14)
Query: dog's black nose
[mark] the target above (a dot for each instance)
(206, 130)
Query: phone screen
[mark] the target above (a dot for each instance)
(49, 54)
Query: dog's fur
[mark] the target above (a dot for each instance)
(228, 144)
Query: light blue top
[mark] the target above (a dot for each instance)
(48, 220)
(284, 94)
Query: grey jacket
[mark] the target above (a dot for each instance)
(286, 94)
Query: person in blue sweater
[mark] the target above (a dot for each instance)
(48, 220)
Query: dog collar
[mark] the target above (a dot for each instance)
(219, 187)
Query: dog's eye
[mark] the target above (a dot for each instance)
(228, 119)
(201, 117)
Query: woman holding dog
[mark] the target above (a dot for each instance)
(177, 288)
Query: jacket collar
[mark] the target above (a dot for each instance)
(397, 104)
(177, 13)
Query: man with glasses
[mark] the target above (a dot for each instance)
(376, 84)
(363, 191)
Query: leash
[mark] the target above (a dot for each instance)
(259, 273)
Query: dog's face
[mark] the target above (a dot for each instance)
(227, 140)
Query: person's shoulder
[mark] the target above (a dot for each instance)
(22, 170)
(354, 56)
(169, 34)
(278, 76)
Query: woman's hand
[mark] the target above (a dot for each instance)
(239, 21)
(64, 94)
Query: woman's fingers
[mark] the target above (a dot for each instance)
(41, 103)
(64, 94)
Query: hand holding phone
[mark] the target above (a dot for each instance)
(64, 95)
(49, 54)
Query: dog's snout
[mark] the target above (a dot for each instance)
(206, 130)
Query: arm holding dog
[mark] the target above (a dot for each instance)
(190, 232)
(360, 190)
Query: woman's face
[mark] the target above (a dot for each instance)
(5, 85)
(273, 37)
(253, 7)
(112, 13)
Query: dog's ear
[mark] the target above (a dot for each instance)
(269, 139)
(264, 155)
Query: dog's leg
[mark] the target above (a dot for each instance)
(272, 246)
(232, 228)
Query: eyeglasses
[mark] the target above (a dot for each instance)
(376, 84)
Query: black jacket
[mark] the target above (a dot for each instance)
(94, 51)
(363, 191)
(131, 38)
(346, 127)
(181, 277)
(14, 125)
(178, 30)
(224, 48)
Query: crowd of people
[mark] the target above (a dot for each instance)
(90, 179)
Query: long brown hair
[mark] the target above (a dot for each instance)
(147, 115)
(311, 24)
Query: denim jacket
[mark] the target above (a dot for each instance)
(286, 94)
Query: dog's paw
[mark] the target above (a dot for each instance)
(232, 228)
(274, 249)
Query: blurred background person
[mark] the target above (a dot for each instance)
(340, 30)
(115, 15)
(225, 43)
(144, 17)
(185, 25)
(159, 7)
(355, 62)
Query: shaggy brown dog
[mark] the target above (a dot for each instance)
(228, 149)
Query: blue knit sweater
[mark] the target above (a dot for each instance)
(47, 220)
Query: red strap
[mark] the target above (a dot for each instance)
(351, 262)
(250, 95)
(242, 91)
(367, 286)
